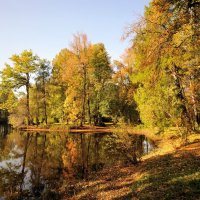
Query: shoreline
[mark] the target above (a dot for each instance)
(84, 129)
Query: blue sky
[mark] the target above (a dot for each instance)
(47, 26)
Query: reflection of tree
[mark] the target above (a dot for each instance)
(10, 186)
(70, 157)
(140, 148)
(38, 159)
(47, 157)
(10, 167)
(128, 148)
(4, 130)
(2, 133)
(55, 147)
(77, 158)
(44, 160)
(85, 149)
(27, 140)
(96, 151)
(147, 146)
(90, 145)
(88, 151)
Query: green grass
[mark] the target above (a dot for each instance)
(171, 176)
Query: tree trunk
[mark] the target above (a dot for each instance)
(38, 109)
(89, 112)
(84, 95)
(84, 170)
(24, 161)
(45, 103)
(88, 155)
(27, 97)
(181, 95)
(194, 106)
(42, 159)
(96, 152)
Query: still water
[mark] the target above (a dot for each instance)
(31, 162)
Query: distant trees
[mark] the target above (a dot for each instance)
(72, 66)
(85, 69)
(43, 75)
(99, 81)
(91, 84)
(26, 67)
(81, 87)
(156, 82)
(123, 106)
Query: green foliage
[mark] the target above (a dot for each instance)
(99, 81)
(89, 66)
(8, 100)
(19, 75)
(24, 65)
(122, 104)
(166, 60)
(157, 104)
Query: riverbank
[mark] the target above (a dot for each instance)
(163, 174)
(65, 128)
(120, 129)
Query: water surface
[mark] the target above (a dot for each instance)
(32, 162)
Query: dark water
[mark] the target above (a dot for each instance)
(31, 163)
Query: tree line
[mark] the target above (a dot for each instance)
(156, 83)
(81, 86)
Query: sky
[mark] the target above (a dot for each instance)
(47, 26)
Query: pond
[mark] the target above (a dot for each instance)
(31, 162)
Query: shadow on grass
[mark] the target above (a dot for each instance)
(172, 176)
(168, 177)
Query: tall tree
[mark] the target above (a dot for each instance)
(85, 70)
(73, 65)
(42, 77)
(99, 78)
(19, 74)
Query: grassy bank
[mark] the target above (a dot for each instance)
(166, 173)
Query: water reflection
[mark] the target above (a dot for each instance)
(33, 163)
(4, 129)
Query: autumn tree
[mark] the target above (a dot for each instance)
(166, 63)
(73, 64)
(19, 75)
(42, 78)
(8, 100)
(57, 87)
(84, 68)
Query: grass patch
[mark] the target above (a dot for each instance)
(170, 176)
